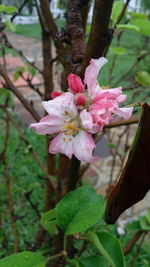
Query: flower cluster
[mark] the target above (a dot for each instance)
(82, 111)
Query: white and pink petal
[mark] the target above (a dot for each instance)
(83, 145)
(61, 144)
(47, 125)
(125, 113)
(92, 72)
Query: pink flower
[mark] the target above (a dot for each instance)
(64, 120)
(105, 102)
(75, 116)
(75, 83)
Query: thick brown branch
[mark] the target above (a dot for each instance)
(84, 10)
(51, 25)
(16, 92)
(76, 32)
(100, 36)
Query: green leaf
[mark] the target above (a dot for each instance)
(119, 51)
(134, 226)
(31, 70)
(23, 259)
(144, 223)
(143, 25)
(112, 145)
(138, 15)
(8, 9)
(18, 73)
(79, 210)
(129, 27)
(117, 8)
(48, 221)
(4, 91)
(93, 261)
(143, 78)
(112, 245)
(10, 26)
(148, 216)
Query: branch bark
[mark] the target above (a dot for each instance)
(16, 92)
(100, 36)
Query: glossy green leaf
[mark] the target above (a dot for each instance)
(143, 25)
(23, 259)
(48, 221)
(112, 245)
(129, 27)
(79, 210)
(93, 261)
(143, 78)
(8, 9)
(119, 51)
(117, 8)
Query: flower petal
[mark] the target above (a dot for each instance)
(47, 125)
(92, 72)
(62, 144)
(86, 119)
(83, 146)
(60, 104)
(124, 112)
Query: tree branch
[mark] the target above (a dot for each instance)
(29, 147)
(8, 189)
(133, 241)
(100, 36)
(16, 92)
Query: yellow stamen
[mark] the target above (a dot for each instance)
(71, 127)
(105, 87)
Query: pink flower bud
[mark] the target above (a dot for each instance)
(54, 94)
(81, 100)
(75, 83)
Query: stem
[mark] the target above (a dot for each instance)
(54, 257)
(94, 239)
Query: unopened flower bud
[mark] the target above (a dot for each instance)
(75, 83)
(54, 94)
(81, 100)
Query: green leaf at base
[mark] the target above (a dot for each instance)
(79, 210)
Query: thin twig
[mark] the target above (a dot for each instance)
(8, 188)
(138, 249)
(30, 148)
(132, 242)
(20, 53)
(10, 85)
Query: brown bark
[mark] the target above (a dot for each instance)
(100, 35)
